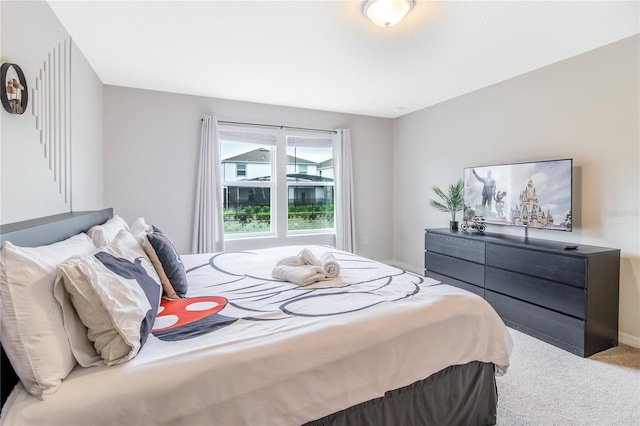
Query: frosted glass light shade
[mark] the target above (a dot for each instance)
(386, 13)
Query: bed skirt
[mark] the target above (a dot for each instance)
(458, 395)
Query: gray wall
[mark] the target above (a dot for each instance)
(30, 30)
(151, 155)
(585, 108)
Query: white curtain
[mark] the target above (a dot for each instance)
(208, 230)
(345, 213)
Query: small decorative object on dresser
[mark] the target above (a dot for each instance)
(477, 223)
(451, 202)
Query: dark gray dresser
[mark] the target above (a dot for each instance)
(568, 298)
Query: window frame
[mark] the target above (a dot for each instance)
(298, 134)
(279, 232)
(271, 184)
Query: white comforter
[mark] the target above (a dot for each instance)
(268, 352)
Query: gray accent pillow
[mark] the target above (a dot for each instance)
(167, 263)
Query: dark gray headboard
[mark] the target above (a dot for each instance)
(38, 232)
(47, 230)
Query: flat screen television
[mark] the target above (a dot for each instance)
(533, 195)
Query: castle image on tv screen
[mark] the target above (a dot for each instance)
(536, 194)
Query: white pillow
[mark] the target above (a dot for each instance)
(139, 229)
(31, 324)
(105, 233)
(116, 292)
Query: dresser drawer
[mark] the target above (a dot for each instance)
(551, 266)
(549, 294)
(457, 283)
(461, 248)
(455, 268)
(556, 327)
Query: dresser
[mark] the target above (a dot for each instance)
(565, 297)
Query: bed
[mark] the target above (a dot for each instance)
(376, 345)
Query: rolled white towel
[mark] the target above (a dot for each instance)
(301, 275)
(330, 265)
(291, 261)
(309, 257)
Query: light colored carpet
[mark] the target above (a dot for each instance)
(546, 385)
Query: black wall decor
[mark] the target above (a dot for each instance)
(14, 92)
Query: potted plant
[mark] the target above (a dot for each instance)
(450, 202)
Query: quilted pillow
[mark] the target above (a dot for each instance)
(167, 262)
(31, 324)
(101, 235)
(116, 293)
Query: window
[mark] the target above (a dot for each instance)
(310, 193)
(247, 188)
(276, 182)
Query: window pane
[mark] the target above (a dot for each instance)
(309, 157)
(309, 161)
(310, 207)
(246, 209)
(246, 169)
(245, 161)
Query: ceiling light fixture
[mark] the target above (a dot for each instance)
(386, 13)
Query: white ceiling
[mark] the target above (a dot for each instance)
(325, 55)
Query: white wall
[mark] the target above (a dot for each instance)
(585, 108)
(151, 143)
(86, 135)
(30, 30)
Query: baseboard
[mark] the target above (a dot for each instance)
(629, 340)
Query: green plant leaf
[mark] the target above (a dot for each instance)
(450, 202)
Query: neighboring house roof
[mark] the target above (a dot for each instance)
(326, 164)
(262, 155)
(299, 177)
(294, 177)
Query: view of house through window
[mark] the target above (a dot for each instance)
(246, 169)
(310, 182)
(255, 163)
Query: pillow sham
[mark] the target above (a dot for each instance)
(116, 293)
(31, 325)
(101, 235)
(139, 229)
(167, 262)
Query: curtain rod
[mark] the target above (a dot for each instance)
(276, 126)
